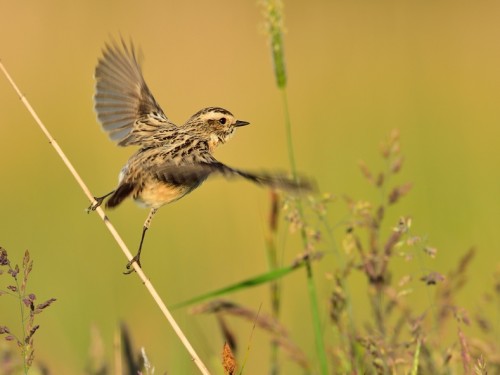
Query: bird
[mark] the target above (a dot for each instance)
(171, 160)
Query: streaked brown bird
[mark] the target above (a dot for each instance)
(172, 160)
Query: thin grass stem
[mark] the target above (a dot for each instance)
(275, 286)
(149, 286)
(23, 328)
(273, 13)
(311, 287)
(416, 356)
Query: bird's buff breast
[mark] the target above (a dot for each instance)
(155, 195)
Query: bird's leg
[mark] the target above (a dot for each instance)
(137, 257)
(98, 202)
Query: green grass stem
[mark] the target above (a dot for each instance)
(273, 13)
(311, 287)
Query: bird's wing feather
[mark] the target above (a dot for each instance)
(127, 110)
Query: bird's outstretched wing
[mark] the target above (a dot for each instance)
(194, 173)
(125, 107)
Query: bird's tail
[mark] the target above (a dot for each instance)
(278, 180)
(187, 174)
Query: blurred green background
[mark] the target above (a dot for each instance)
(356, 70)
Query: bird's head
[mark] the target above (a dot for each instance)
(214, 124)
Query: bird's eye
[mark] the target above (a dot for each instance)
(222, 120)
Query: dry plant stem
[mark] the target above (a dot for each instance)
(203, 369)
(275, 286)
(117, 351)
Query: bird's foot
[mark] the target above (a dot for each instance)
(130, 269)
(97, 203)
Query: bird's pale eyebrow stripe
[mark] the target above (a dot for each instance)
(213, 110)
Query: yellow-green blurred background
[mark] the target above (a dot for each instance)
(356, 70)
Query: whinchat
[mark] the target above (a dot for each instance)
(172, 160)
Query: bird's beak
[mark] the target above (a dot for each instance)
(241, 123)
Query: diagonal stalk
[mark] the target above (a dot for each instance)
(149, 286)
